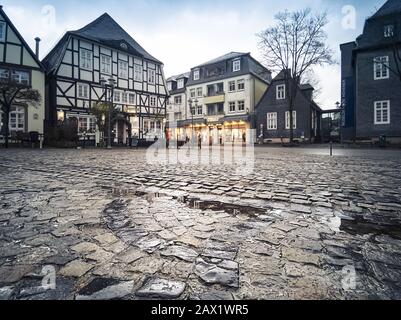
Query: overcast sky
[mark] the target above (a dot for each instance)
(186, 33)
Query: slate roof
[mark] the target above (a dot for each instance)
(106, 30)
(228, 56)
(390, 7)
(179, 76)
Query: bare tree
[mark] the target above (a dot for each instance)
(14, 93)
(294, 45)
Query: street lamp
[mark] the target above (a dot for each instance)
(108, 88)
(193, 105)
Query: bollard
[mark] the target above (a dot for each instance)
(331, 149)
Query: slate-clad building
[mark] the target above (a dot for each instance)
(371, 87)
(273, 115)
(104, 50)
(20, 64)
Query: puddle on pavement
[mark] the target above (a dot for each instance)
(361, 226)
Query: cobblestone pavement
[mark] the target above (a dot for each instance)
(112, 226)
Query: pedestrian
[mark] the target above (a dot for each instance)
(200, 141)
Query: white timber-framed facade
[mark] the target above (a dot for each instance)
(103, 50)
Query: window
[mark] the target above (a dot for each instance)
(178, 99)
(21, 77)
(236, 65)
(389, 31)
(123, 69)
(381, 68)
(180, 84)
(200, 110)
(117, 96)
(241, 105)
(200, 92)
(231, 86)
(124, 97)
(193, 93)
(272, 121)
(151, 76)
(4, 74)
(196, 74)
(138, 73)
(382, 112)
(17, 119)
(86, 59)
(287, 120)
(232, 106)
(153, 101)
(83, 91)
(280, 92)
(86, 124)
(2, 31)
(241, 85)
(105, 64)
(131, 98)
(192, 111)
(169, 86)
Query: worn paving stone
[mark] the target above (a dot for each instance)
(106, 289)
(161, 289)
(181, 252)
(76, 269)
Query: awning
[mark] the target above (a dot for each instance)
(245, 118)
(186, 123)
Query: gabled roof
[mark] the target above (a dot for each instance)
(27, 47)
(106, 30)
(389, 8)
(228, 56)
(179, 76)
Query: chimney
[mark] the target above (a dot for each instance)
(37, 46)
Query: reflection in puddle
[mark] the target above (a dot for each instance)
(361, 226)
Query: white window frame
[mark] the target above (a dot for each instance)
(180, 100)
(241, 102)
(237, 65)
(20, 114)
(117, 94)
(280, 92)
(379, 105)
(389, 31)
(16, 75)
(105, 64)
(131, 98)
(231, 104)
(152, 101)
(241, 82)
(288, 120)
(138, 73)
(180, 84)
(231, 85)
(196, 74)
(83, 91)
(272, 121)
(169, 86)
(200, 108)
(3, 34)
(124, 97)
(86, 59)
(151, 76)
(123, 69)
(192, 93)
(199, 92)
(88, 121)
(382, 65)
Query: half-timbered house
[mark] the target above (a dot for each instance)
(104, 50)
(18, 63)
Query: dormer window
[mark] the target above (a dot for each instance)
(180, 84)
(196, 74)
(389, 31)
(237, 65)
(169, 86)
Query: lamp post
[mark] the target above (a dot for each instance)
(108, 87)
(193, 104)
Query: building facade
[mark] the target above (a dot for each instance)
(177, 103)
(273, 115)
(20, 64)
(371, 81)
(222, 95)
(103, 50)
